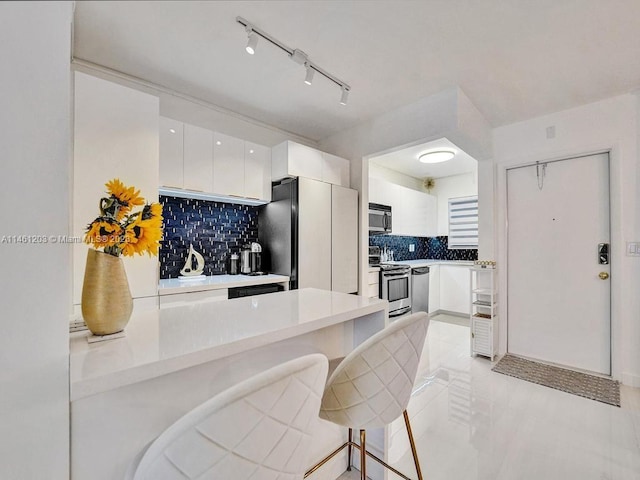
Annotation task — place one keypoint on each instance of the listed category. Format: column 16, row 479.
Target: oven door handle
column 403, row 274
column 401, row 311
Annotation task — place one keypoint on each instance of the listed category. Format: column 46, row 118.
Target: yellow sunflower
column 145, row 233
column 127, row 197
column 103, row 232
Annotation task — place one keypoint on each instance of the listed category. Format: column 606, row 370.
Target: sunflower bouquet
column 118, row 230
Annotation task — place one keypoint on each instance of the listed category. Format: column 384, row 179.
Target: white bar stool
column 372, row 386
column 258, row 429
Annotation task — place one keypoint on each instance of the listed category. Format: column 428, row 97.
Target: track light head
column 345, row 95
column 252, row 42
column 308, row 79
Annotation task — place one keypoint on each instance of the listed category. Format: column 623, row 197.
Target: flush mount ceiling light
column 437, row 156
column 295, row 54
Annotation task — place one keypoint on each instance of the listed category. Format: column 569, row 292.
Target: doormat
column 588, row 386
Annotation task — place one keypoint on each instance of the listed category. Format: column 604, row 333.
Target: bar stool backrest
column 259, row 428
column 372, row 386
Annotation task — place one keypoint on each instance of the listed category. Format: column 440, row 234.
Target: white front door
column 558, row 291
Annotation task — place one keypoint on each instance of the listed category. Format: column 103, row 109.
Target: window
column 463, row 222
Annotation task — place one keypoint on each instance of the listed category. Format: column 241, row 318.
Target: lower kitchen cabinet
column 454, row 288
column 434, row 288
column 373, row 283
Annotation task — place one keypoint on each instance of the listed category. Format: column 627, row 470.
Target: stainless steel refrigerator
column 278, row 231
column 305, row 236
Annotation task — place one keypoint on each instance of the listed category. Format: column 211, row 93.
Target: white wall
column 36, row 282
column 198, row 112
column 115, row 136
column 391, row 176
column 463, row 185
column 447, row 114
column 606, row 125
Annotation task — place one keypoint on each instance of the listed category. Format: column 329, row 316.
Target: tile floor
column 474, row 424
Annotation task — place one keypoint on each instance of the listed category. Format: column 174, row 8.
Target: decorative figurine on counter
column 189, row 270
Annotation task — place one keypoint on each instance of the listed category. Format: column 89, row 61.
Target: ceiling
column 406, row 161
column 515, row 59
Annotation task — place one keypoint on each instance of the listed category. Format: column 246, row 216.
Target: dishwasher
column 420, row 289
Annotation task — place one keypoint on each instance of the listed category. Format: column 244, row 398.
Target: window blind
column 463, row 222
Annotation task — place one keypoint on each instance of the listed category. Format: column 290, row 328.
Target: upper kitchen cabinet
column 171, row 150
column 198, row 158
column 291, row 159
column 115, row 136
column 335, row 170
column 228, row 165
column 414, row 213
column 220, row 166
column 257, row 171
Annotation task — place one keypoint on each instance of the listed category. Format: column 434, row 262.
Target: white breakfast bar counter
column 125, row 392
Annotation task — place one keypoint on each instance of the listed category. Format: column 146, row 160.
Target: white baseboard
column 448, row 312
column 630, row 380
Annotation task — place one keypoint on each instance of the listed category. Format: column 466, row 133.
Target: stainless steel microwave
column 379, row 218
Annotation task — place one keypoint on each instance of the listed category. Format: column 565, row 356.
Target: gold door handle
column 603, row 275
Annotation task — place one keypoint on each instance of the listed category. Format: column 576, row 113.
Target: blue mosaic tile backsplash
column 435, row 248
column 214, row 229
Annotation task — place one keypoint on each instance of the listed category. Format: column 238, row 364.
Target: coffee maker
column 245, row 260
column 256, row 258
column 251, row 259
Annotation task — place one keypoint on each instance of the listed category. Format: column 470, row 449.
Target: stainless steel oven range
column 395, row 287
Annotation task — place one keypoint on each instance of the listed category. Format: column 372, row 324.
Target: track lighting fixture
column 308, row 79
column 252, row 42
column 345, row 95
column 295, row 54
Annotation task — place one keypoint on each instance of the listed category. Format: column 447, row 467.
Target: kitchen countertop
column 173, row 285
column 161, row 341
column 427, row 262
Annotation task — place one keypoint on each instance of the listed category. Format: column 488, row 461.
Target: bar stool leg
column 413, row 444
column 350, row 447
column 363, row 455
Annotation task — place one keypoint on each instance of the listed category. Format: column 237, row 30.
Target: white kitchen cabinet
column 414, row 213
column 115, row 136
column 335, row 170
column 291, row 159
column 454, row 288
column 344, row 239
column 198, row 158
column 228, row 165
column 434, row 288
column 373, row 282
column 171, row 153
column 314, row 234
column 257, row 171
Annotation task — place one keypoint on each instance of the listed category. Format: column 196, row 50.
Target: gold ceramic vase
column 106, row 298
